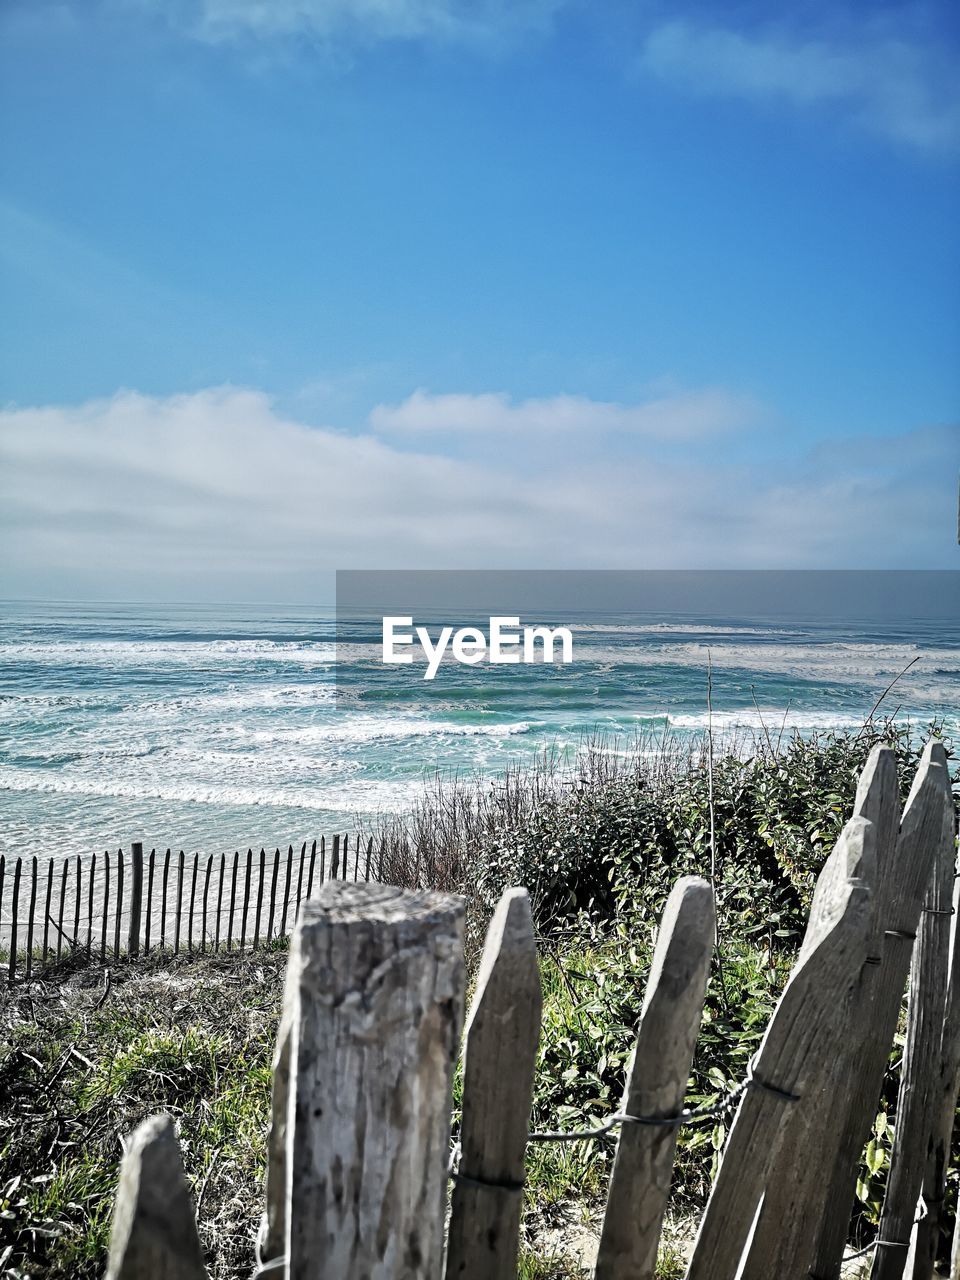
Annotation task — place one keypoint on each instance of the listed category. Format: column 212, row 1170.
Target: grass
column 83, row 1066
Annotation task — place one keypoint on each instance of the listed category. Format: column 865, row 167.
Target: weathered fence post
column 374, row 995
column 917, row 1109
column 793, row 1201
column 136, row 898
column 917, row 845
column 272, row 1240
column 154, row 1233
column 503, row 1028
column 946, row 1084
column 657, row 1083
column 799, row 1035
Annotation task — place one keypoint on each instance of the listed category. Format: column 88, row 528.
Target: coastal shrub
column 618, row 844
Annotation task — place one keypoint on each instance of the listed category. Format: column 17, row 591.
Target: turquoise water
column 220, row 728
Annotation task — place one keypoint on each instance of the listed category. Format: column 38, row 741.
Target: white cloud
column 900, row 89
column 214, row 495
column 687, row 415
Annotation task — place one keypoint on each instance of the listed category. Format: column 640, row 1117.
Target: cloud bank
column 687, row 415
column 214, row 495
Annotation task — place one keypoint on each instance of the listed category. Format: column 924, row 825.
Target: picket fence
column 359, row 1153
column 129, row 903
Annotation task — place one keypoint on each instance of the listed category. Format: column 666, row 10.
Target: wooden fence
column 134, row 902
column 359, row 1152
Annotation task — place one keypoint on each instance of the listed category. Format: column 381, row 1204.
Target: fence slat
column 163, row 903
column 14, row 905
column 136, row 898
column 46, row 910
column 106, row 902
column 323, row 859
column 77, row 904
column 179, row 912
column 193, row 900
column 945, row 1090
column 116, row 926
column 273, row 894
column 797, row 1036
column 64, row 872
column 303, row 855
column 366, row 870
column 503, row 1027
column 261, row 873
column 148, row 916
column 286, row 892
column 30, row 913
column 335, row 859
column 206, row 894
column 657, row 1083
column 223, row 869
column 313, row 861
column 917, row 1104
column 233, row 897
column 917, row 843
column 248, row 872
column 374, row 989
column 154, row 1232
column 793, row 1202
column 90, row 892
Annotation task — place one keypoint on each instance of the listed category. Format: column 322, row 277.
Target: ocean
column 220, row 728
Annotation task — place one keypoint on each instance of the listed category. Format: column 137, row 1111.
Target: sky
column 322, row 284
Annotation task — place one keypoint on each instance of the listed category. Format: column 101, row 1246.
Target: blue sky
column 619, row 285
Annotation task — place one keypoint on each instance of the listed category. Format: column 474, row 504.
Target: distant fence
column 359, row 1150
column 132, row 903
